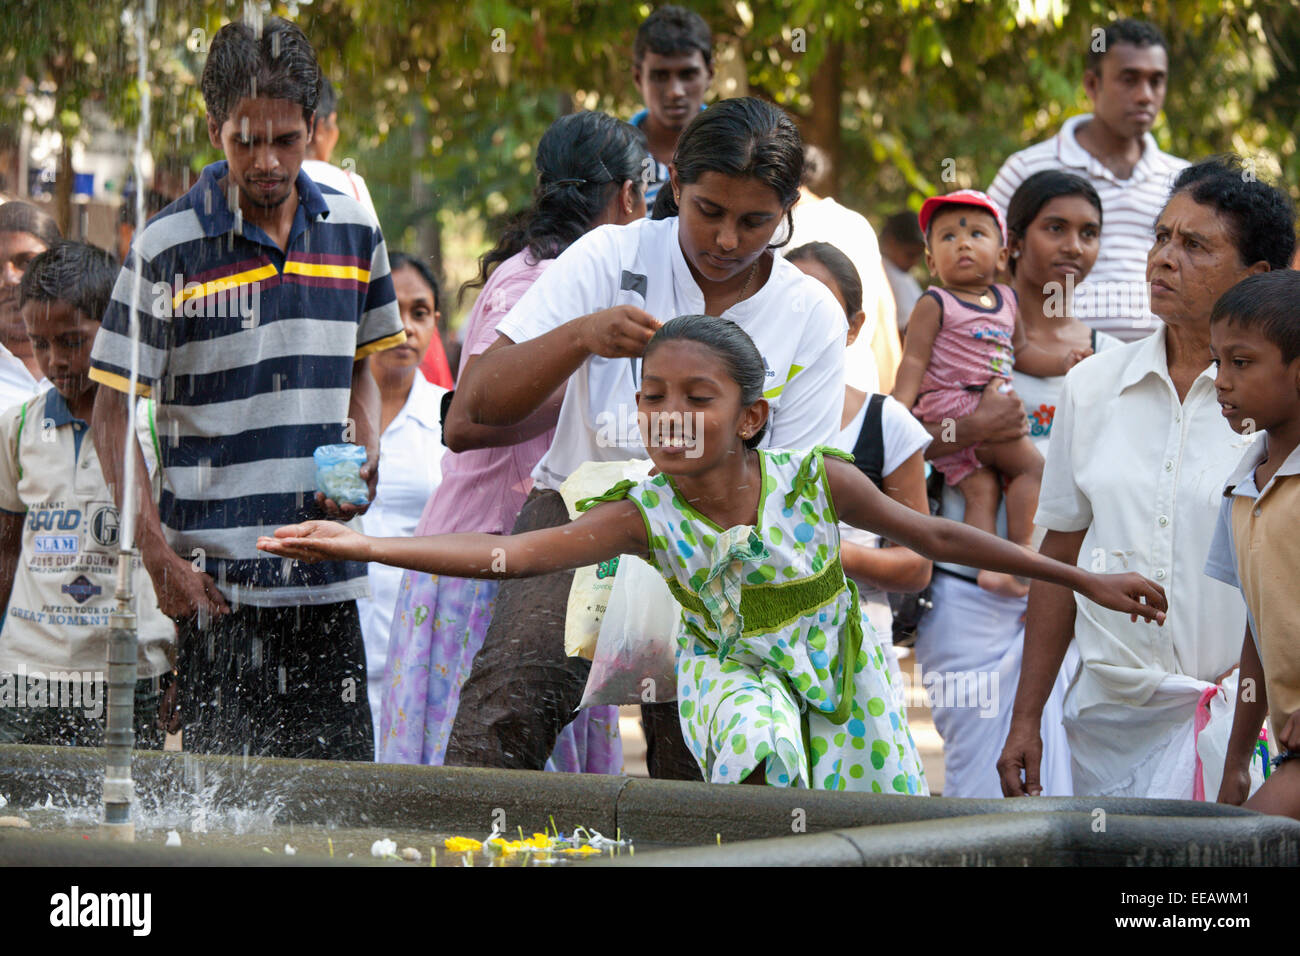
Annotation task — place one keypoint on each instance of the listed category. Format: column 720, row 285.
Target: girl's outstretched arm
column 863, row 505
column 606, row 530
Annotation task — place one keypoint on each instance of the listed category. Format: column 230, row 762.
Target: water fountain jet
column 123, row 642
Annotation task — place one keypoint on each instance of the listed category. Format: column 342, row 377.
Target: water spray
column 123, row 641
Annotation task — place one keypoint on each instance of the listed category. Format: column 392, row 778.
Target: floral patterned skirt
column 746, row 712
column 438, row 628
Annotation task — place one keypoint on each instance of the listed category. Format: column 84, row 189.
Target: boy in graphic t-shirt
column 59, row 528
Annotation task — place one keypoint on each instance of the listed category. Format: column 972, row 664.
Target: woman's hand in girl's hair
column 1125, row 593
column 314, row 541
column 620, row 332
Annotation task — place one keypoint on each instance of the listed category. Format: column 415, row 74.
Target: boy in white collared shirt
column 59, row 528
column 1255, row 341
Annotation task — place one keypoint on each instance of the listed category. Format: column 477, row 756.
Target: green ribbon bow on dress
column 720, row 591
column 805, row 480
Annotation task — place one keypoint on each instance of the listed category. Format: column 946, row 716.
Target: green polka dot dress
column 773, row 668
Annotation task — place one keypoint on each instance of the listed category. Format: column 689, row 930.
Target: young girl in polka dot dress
column 775, row 681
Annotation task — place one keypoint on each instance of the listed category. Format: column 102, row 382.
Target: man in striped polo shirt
column 1112, row 148
column 260, row 297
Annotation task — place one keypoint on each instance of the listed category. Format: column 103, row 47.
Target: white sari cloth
column 969, row 648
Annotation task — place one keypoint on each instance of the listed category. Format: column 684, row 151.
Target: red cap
column 962, row 197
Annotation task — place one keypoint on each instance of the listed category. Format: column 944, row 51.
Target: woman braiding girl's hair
column 775, row 683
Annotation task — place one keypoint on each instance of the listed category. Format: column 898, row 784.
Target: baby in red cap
column 962, row 335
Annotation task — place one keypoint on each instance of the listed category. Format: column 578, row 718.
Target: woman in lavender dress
column 589, row 173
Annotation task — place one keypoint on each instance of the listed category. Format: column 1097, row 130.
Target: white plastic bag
column 636, row 653
column 590, row 591
column 1212, row 741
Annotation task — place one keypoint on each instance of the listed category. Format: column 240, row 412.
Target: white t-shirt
column 344, row 180
column 410, row 468
column 64, row 584
column 903, row 437
column 793, row 319
column 16, row 382
column 825, row 220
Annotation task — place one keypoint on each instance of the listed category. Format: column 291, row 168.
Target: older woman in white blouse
column 1138, row 456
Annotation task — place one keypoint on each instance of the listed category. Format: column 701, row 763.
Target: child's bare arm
column 922, row 329
column 862, row 505
column 1041, row 363
column 607, row 530
column 1248, row 717
column 11, row 553
column 1038, row 361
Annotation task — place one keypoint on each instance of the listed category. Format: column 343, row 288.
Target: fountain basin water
column 815, row 826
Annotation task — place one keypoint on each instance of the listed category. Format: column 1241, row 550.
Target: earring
column 1016, row 254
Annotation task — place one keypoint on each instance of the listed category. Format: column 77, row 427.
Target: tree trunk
column 428, row 230
column 823, row 128
column 63, row 175
column 63, row 183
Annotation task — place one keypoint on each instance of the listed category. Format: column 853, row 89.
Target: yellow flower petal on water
column 461, row 845
column 584, row 850
column 506, row 847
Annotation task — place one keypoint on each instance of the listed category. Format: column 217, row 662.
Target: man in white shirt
column 872, row 359
column 325, row 137
column 1113, row 149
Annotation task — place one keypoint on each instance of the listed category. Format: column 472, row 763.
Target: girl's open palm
column 314, row 541
column 1125, row 593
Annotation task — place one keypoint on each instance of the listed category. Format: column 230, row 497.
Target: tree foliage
column 442, row 102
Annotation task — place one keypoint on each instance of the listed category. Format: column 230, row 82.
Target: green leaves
column 455, row 95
